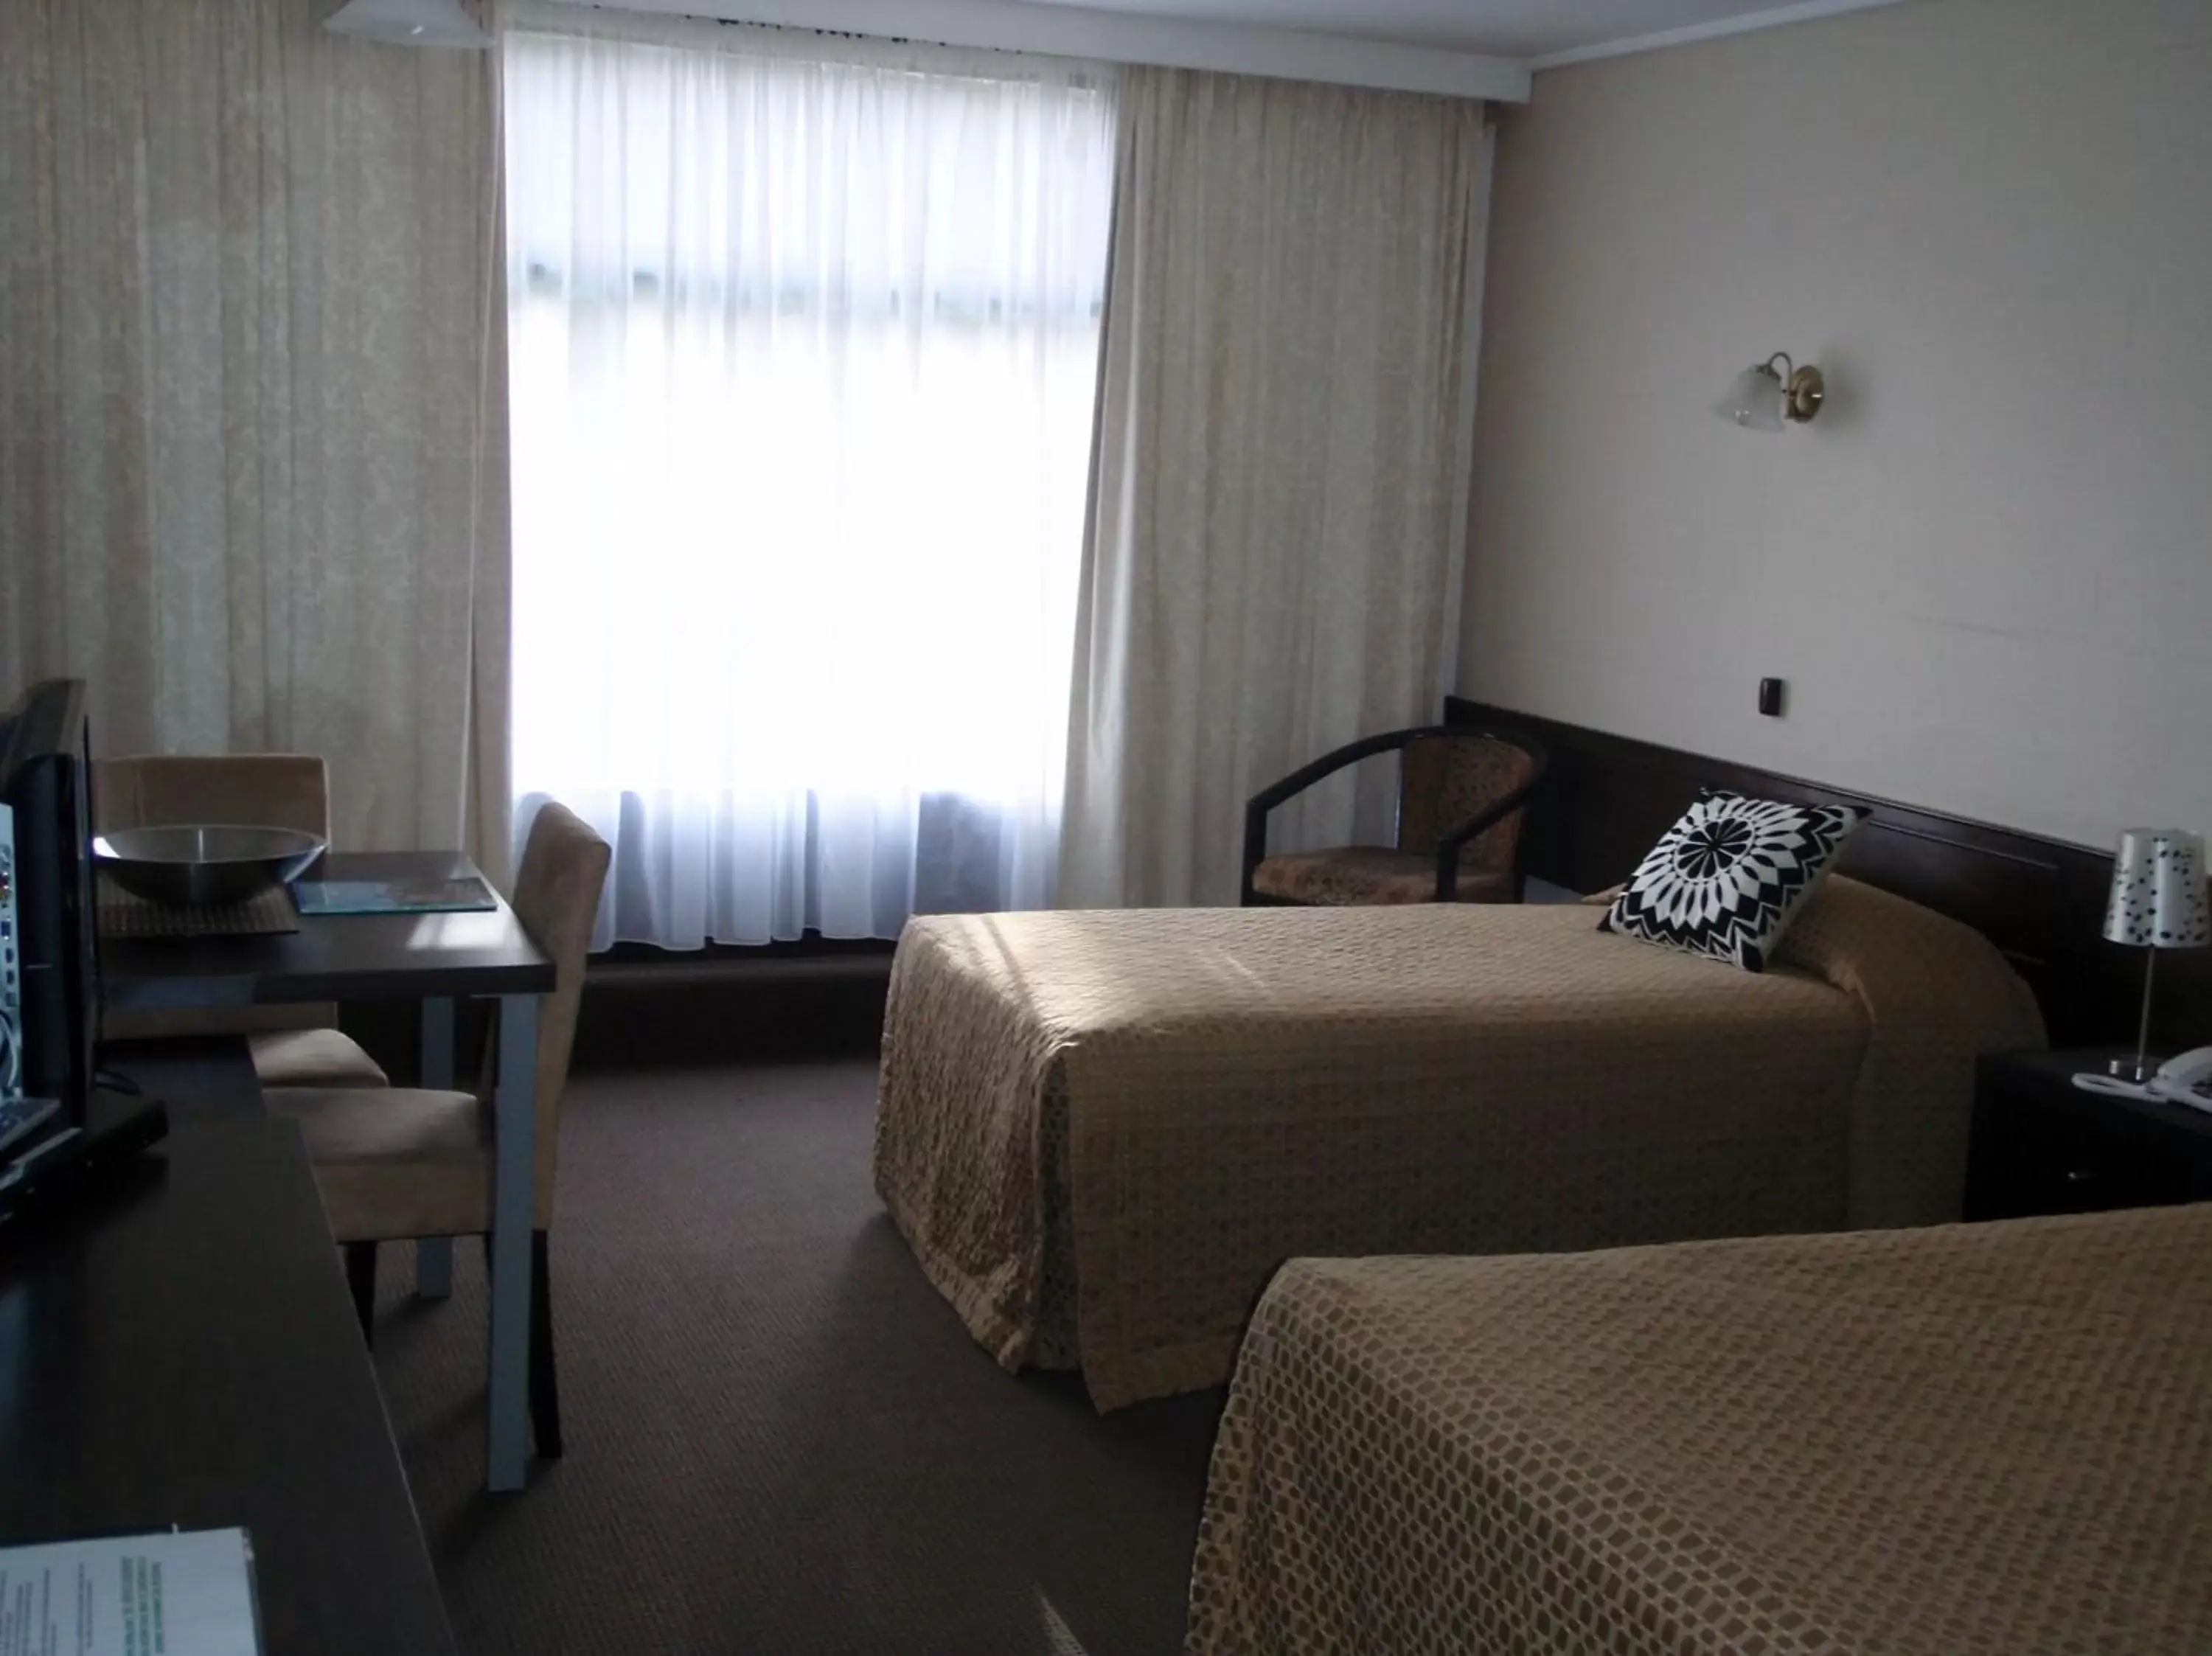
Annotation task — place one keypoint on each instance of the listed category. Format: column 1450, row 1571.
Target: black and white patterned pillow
column 1726, row 880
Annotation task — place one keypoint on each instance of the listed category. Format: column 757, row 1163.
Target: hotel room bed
column 1966, row 1439
column 1102, row 1132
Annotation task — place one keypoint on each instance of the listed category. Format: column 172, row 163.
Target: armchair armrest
column 1256, row 808
column 1449, row 847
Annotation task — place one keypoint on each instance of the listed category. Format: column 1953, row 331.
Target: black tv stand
column 60, row 1167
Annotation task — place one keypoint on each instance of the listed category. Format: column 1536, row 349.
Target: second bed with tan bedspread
column 1964, row 1440
column 1101, row 1132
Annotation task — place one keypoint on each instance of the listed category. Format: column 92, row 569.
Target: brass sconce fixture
column 1766, row 398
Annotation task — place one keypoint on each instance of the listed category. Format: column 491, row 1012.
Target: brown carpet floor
column 779, row 1438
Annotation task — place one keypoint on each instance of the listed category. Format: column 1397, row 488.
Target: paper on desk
column 138, row 1595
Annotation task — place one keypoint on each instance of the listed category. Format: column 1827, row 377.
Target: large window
column 803, row 339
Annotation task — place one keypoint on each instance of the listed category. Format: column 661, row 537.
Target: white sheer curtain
column 804, row 341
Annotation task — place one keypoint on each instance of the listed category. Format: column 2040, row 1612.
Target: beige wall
column 1986, row 570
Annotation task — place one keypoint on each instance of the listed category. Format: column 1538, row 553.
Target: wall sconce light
column 1765, row 398
column 408, row 22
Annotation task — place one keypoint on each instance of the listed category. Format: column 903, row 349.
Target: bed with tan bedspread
column 1967, row 1440
column 1102, row 1132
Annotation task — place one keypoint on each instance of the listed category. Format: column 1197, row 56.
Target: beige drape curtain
column 1274, row 556
column 252, row 463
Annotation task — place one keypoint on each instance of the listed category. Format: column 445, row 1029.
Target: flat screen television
column 45, row 777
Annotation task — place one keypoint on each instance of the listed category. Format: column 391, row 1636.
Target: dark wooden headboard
column 1608, row 798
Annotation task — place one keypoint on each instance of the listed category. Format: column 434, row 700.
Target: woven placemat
column 123, row 915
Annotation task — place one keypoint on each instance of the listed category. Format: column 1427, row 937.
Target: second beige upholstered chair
column 401, row 1164
column 292, row 1045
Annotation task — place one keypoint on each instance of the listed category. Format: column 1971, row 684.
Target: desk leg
column 514, row 1212
column 433, row 1255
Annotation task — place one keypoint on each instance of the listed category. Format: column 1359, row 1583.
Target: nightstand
column 2042, row 1145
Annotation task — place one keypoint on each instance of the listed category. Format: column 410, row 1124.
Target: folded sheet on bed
column 1969, row 1439
column 1102, row 1132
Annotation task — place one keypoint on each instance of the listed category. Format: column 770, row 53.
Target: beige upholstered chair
column 1462, row 794
column 397, row 1164
column 292, row 1045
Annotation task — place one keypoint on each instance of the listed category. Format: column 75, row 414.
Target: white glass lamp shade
column 2158, row 891
column 408, row 22
column 1754, row 400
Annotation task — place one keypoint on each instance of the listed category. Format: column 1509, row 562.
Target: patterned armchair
column 1460, row 799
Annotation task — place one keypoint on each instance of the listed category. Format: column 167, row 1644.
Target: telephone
column 2184, row 1080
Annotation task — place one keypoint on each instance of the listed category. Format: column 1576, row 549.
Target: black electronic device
column 45, row 778
column 59, row 1141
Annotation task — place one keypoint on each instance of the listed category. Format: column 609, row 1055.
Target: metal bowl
column 194, row 865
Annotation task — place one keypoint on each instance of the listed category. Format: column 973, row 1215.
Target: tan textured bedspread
column 1101, row 1132
column 1969, row 1441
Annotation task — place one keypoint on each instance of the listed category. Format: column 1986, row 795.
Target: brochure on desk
column 188, row 1593
column 467, row 895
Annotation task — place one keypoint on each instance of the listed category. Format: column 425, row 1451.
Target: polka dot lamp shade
column 2158, row 891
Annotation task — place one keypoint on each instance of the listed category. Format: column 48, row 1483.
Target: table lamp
column 2158, row 902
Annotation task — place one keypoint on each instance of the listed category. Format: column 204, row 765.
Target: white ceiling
column 1502, row 29
column 1457, row 48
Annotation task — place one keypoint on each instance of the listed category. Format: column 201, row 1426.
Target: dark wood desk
column 432, row 958
column 180, row 1349
column 337, row 957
